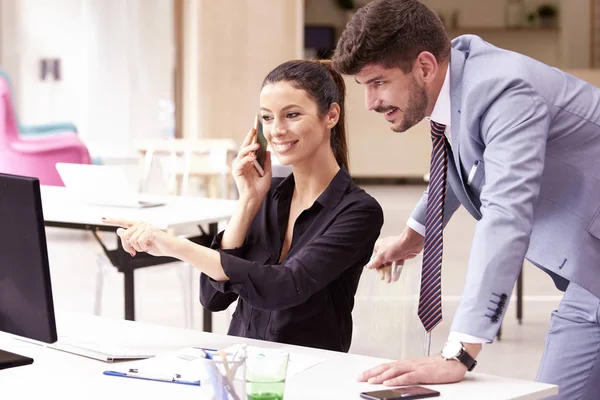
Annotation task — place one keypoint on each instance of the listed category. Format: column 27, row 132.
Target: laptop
column 99, row 351
column 9, row 360
column 106, row 185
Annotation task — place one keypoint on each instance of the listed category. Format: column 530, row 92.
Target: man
column 517, row 143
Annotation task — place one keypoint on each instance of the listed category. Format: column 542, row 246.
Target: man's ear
column 333, row 115
column 425, row 67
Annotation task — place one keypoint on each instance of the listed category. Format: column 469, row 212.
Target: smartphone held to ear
column 402, row 393
column 261, row 153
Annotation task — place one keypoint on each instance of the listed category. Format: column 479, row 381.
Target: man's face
column 395, row 94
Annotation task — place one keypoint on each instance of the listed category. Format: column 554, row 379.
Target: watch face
column 451, row 349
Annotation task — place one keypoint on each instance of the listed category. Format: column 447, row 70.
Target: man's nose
column 371, row 101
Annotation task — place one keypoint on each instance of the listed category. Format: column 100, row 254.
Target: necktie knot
column 437, row 130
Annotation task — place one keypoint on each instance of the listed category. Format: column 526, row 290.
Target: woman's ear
column 333, row 115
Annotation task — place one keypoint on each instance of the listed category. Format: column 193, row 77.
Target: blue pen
column 206, row 349
column 159, row 378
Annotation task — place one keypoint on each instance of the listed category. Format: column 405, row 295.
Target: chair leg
column 100, row 272
column 186, row 276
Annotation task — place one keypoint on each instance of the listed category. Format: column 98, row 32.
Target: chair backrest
column 4, row 76
column 9, row 130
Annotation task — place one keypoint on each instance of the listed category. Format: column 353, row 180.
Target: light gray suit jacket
column 529, row 135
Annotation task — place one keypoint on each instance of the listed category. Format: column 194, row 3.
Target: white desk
column 64, row 376
column 179, row 214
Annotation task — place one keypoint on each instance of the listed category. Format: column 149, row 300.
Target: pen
column 133, row 373
column 206, row 349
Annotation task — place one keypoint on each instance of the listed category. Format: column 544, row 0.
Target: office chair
column 39, row 129
column 34, row 156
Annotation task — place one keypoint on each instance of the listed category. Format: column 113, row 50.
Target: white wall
column 230, row 46
column 116, row 57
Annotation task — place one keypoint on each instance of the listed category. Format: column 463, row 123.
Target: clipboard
column 133, row 373
column 182, row 367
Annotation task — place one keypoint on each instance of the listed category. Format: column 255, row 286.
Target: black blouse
column 306, row 300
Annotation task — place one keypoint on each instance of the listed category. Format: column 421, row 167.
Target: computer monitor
column 26, row 304
column 320, row 38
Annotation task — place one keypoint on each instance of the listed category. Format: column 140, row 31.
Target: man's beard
column 416, row 109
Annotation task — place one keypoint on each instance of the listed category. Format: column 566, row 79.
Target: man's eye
column 378, row 83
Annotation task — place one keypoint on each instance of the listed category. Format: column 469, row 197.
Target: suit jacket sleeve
column 451, row 204
column 514, row 129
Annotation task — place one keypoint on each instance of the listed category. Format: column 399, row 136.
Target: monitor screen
column 319, row 37
column 26, row 305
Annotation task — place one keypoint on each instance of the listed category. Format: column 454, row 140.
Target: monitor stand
column 9, row 360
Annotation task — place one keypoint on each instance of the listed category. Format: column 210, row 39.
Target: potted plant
column 345, row 4
column 348, row 7
column 547, row 14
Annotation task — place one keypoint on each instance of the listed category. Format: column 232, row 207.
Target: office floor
column 385, row 315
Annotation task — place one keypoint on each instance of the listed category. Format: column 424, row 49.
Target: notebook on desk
column 106, row 185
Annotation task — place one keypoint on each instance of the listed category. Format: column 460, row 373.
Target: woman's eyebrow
column 284, row 108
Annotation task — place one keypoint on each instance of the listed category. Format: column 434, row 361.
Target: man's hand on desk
column 424, row 370
column 143, row 237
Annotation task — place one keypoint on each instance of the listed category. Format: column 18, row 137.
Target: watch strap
column 466, row 359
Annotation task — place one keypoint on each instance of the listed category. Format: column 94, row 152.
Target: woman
column 293, row 252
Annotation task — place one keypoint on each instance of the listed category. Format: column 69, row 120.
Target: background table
column 195, row 217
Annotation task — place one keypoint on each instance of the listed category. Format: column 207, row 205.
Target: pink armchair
column 34, row 155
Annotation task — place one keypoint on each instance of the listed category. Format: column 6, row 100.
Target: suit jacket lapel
column 455, row 175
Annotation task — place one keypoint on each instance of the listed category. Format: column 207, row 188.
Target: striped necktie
column 430, row 299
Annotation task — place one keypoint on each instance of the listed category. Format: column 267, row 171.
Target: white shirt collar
column 441, row 111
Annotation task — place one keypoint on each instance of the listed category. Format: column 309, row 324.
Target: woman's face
column 292, row 124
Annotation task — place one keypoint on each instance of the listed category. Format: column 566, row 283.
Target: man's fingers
column 374, row 262
column 397, row 370
column 410, row 378
column 396, row 270
column 368, row 374
column 123, row 223
column 387, row 273
column 392, row 371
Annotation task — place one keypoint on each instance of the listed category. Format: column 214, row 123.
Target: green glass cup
column 265, row 374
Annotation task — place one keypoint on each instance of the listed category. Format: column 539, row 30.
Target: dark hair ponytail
column 325, row 86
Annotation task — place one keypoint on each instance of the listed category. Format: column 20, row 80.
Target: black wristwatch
column 456, row 351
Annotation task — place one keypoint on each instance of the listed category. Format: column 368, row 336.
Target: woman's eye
column 293, row 115
column 266, row 118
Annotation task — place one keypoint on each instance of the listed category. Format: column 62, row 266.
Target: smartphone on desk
column 261, row 153
column 402, row 393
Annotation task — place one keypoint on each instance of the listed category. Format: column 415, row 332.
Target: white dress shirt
column 441, row 114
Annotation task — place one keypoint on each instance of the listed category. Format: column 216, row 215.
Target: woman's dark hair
column 325, row 86
column 390, row 33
